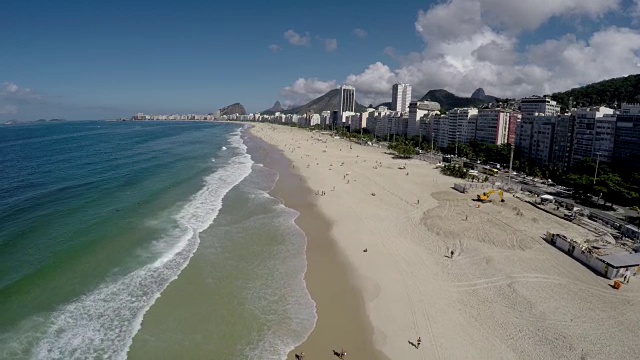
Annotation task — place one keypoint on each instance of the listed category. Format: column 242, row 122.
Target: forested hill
column 607, row 92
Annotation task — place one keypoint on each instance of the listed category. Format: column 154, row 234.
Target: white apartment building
column 314, row 120
column 492, row 126
column 400, row 97
column 594, row 134
column 539, row 105
column 630, row 109
column 347, row 99
column 391, row 123
column 462, row 125
column 359, row 121
column 373, row 118
column 420, row 113
column 325, row 118
column 605, row 137
column 440, row 131
column 535, row 137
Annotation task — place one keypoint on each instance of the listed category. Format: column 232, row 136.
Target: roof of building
column 622, row 259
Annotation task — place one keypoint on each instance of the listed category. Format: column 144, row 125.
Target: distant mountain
column 450, row 101
column 236, row 108
column 607, row 92
column 327, row 102
column 480, row 95
column 385, row 104
column 277, row 107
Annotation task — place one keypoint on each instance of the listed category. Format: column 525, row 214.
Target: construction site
column 603, row 248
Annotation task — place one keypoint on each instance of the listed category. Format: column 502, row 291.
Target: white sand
column 506, row 294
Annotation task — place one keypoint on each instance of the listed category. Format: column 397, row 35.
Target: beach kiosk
column 617, row 264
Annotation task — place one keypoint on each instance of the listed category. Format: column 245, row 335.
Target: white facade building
column 347, row 99
column 420, row 113
column 594, row 134
column 539, row 105
column 492, row 126
column 462, row 125
column 401, row 97
column 535, row 137
column 440, row 131
column 630, row 109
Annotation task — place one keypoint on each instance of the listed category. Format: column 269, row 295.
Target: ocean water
column 145, row 240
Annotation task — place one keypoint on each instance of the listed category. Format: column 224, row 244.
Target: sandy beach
column 505, row 293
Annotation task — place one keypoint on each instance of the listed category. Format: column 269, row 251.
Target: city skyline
column 90, row 61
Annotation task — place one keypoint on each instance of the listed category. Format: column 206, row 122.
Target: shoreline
column 342, row 321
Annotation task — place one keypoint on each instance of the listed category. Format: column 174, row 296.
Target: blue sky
column 90, row 59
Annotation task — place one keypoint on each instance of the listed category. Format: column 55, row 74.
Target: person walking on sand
column 627, row 276
column 418, row 342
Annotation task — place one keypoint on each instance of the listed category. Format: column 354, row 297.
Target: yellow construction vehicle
column 484, row 197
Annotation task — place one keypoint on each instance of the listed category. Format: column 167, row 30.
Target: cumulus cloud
column 10, row 87
column 12, row 97
column 274, row 48
column 296, row 39
column 359, row 33
column 331, row 45
column 374, row 83
column 475, row 43
column 305, row 90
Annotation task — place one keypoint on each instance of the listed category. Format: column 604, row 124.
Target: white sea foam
column 283, row 298
column 102, row 323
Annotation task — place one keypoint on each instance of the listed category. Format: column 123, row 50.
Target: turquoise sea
column 145, row 240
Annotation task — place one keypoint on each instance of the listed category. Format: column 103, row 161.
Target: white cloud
column 13, row 97
column 331, row 45
column 305, row 90
column 10, row 87
column 360, row 33
column 374, row 84
column 475, row 43
column 296, row 39
column 453, row 19
column 274, row 48
column 8, row 109
column 403, row 60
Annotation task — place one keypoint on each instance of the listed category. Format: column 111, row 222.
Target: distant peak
column 478, row 94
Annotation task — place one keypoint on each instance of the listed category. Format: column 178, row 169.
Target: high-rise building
column 594, row 134
column 626, row 148
column 492, row 126
column 419, row 114
column 514, row 120
column 391, row 123
column 563, row 141
column 440, row 131
column 462, row 125
column 535, row 137
column 401, row 97
column 539, row 105
column 347, row 99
